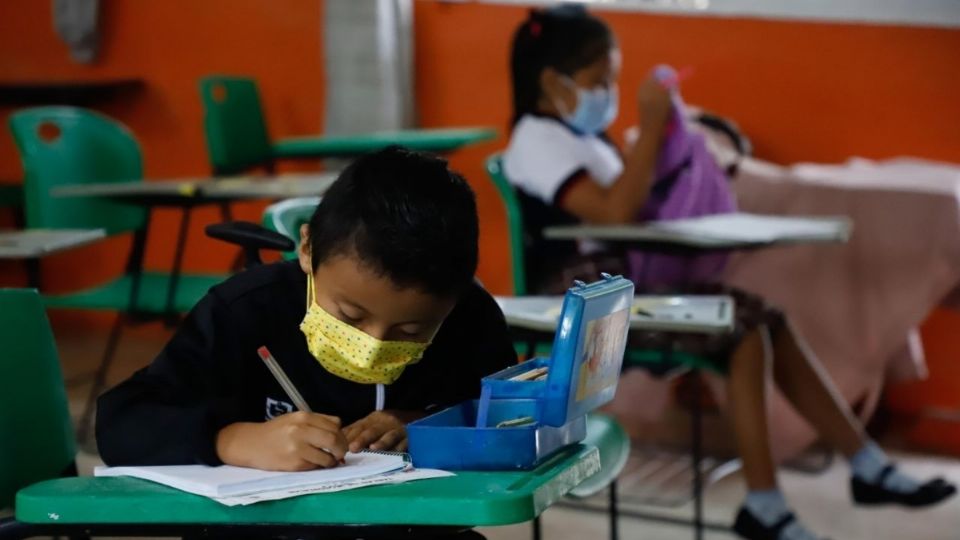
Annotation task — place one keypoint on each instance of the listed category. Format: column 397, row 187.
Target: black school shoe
column 749, row 527
column 870, row 493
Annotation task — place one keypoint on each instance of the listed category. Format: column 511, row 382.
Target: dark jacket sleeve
column 170, row 412
column 482, row 345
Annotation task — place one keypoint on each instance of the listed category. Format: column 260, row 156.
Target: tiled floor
column 820, row 500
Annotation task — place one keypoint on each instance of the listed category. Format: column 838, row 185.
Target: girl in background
column 565, row 65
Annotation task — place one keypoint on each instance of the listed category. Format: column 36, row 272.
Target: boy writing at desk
column 378, row 321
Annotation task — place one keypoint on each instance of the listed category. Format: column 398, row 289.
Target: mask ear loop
column 311, row 291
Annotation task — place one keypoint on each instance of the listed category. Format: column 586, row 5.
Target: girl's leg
column 809, row 388
column 807, row 385
column 746, row 390
column 765, row 511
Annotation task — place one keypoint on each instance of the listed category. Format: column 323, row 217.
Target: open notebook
column 229, row 481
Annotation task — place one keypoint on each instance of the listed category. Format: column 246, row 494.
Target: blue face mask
column 596, row 108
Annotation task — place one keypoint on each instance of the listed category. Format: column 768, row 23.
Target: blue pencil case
column 529, row 411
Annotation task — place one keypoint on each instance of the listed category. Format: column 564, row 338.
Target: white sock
column 769, row 506
column 869, row 462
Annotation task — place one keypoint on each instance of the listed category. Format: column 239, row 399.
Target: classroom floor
column 822, row 500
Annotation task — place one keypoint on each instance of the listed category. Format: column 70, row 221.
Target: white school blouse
column 546, row 156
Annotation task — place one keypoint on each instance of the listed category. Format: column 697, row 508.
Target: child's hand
column 297, row 441
column 380, row 430
column 655, row 103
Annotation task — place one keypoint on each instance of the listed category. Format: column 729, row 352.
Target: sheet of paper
column 226, row 480
column 398, row 477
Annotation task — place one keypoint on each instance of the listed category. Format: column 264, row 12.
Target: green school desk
column 346, row 146
column 127, row 506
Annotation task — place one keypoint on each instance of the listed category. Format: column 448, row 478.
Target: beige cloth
column 857, row 305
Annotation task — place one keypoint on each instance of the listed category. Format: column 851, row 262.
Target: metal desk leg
column 537, row 534
column 697, row 455
column 614, row 512
column 100, row 379
column 33, row 272
column 170, row 309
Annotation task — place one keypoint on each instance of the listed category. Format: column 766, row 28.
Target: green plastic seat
column 658, row 361
column 514, row 222
column 286, row 217
column 66, row 145
column 151, row 296
column 238, row 138
column 234, row 125
column 37, row 438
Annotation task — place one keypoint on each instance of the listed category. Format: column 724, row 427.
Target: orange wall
column 803, row 91
column 170, row 44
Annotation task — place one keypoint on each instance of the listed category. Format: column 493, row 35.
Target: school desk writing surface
column 344, row 146
column 708, row 314
column 193, row 191
column 31, row 243
column 715, row 232
column 470, row 498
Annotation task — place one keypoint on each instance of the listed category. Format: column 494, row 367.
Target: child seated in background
column 565, row 64
column 378, row 322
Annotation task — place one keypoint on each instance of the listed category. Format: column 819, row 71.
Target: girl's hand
column 655, row 104
column 297, row 441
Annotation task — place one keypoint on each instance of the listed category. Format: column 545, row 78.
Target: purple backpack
column 688, row 183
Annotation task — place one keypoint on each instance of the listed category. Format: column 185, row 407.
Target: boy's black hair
column 406, row 215
column 566, row 38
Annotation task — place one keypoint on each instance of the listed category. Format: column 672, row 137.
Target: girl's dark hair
column 406, row 215
column 566, row 38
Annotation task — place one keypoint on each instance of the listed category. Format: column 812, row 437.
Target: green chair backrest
column 36, row 437
column 514, row 222
column 236, row 132
column 286, row 217
column 66, row 145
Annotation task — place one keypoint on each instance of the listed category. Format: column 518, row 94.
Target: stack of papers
column 234, row 486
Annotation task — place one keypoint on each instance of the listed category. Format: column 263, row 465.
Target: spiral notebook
column 230, row 481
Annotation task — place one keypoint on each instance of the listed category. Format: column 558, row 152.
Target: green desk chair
column 280, row 230
column 659, row 363
column 286, row 217
column 35, row 425
column 238, row 138
column 65, row 145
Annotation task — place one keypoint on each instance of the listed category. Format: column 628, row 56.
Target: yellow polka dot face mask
column 351, row 353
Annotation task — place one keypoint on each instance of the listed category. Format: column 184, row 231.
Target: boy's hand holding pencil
column 297, row 441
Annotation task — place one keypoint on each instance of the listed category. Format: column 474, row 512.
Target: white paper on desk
column 684, row 313
column 743, row 227
column 229, row 481
column 397, row 477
